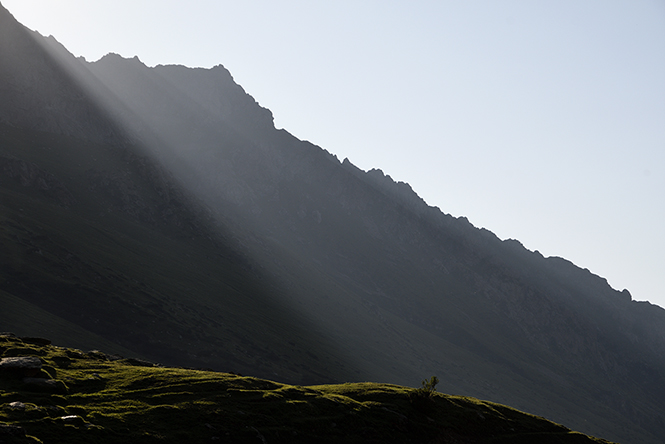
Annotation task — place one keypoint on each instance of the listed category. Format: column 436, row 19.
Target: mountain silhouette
column 158, row 213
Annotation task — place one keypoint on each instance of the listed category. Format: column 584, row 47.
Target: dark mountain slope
column 129, row 260
column 357, row 277
column 101, row 245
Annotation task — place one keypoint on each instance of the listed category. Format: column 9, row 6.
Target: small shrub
column 423, row 398
column 428, row 387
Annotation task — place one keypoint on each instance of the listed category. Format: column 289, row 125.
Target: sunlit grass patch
column 111, row 401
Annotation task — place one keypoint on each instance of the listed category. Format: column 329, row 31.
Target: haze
column 543, row 122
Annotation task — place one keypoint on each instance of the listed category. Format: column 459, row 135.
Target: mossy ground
column 109, row 399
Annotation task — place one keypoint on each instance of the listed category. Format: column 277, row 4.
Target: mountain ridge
column 390, row 287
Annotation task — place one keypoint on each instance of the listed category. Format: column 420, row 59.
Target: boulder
column 23, row 366
column 45, row 385
column 73, row 419
column 17, row 405
column 36, row 341
column 11, row 430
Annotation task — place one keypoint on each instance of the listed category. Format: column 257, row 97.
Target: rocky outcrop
column 22, row 367
column 45, row 385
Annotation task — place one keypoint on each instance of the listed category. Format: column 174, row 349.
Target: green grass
column 110, row 399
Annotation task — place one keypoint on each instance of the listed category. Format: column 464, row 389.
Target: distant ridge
column 195, row 233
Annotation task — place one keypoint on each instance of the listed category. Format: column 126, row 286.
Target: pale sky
column 542, row 121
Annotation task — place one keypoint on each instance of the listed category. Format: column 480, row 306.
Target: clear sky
column 542, row 121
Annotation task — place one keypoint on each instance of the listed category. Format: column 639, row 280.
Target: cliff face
column 392, row 289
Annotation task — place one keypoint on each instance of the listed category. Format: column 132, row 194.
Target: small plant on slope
column 428, row 387
column 422, row 398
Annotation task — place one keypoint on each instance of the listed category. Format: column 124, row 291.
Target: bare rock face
column 24, row 366
column 31, row 176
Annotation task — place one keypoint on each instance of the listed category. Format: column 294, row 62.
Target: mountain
column 158, row 213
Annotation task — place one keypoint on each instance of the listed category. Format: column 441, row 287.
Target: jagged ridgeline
column 157, row 213
column 63, row 395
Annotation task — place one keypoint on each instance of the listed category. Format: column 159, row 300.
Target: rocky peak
column 42, row 86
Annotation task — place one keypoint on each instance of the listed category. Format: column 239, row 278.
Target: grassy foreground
column 99, row 398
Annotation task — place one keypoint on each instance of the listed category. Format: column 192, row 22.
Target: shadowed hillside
column 72, row 396
column 157, row 212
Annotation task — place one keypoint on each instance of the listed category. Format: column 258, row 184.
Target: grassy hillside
column 106, row 398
